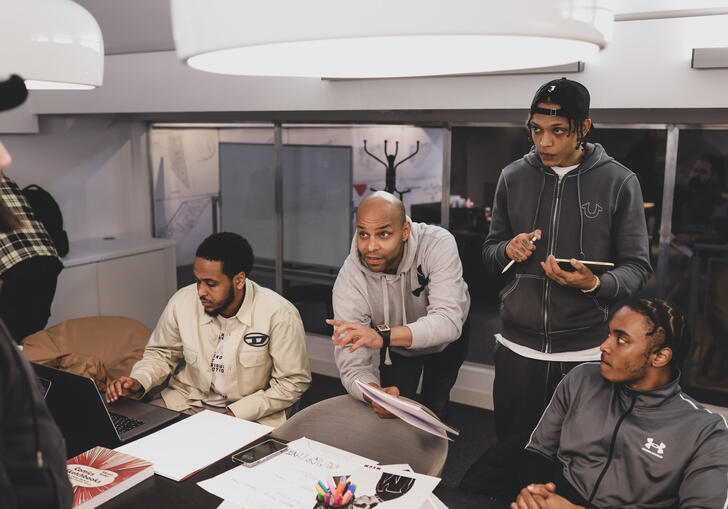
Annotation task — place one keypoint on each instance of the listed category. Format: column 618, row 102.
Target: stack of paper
column 186, row 447
column 409, row 411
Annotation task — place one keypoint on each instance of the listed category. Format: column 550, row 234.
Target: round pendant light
column 52, row 44
column 385, row 39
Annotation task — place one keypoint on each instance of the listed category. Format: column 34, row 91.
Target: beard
column 225, row 303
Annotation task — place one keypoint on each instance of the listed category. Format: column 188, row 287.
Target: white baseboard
column 473, row 387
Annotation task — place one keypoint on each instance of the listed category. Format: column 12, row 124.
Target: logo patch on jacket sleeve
column 422, row 280
column 256, row 339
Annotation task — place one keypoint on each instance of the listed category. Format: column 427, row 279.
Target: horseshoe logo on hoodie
column 589, row 212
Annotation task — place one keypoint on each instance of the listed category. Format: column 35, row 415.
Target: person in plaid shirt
column 29, row 263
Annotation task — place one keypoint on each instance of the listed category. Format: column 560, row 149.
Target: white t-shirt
column 218, row 388
column 593, row 354
column 563, row 170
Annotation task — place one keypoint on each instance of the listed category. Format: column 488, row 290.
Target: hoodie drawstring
column 581, row 216
column 385, row 298
column 538, row 203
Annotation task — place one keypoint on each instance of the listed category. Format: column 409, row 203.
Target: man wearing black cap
column 565, row 199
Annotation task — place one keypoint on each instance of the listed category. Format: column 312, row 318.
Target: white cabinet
column 130, row 277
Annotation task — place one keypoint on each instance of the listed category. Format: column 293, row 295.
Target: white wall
column 95, row 167
column 647, row 66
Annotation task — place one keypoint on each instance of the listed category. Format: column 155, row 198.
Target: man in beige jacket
column 244, row 345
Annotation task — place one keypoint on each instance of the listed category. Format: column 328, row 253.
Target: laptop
column 86, row 420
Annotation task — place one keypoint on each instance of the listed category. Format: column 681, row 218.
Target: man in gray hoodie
column 565, row 199
column 401, row 287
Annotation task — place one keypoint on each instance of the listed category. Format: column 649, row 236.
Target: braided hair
column 576, row 125
column 668, row 327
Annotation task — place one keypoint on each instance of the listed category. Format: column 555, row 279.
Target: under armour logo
column 650, row 444
column 422, row 280
column 591, row 212
column 552, row 88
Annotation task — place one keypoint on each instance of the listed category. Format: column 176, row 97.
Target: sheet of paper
column 410, row 412
column 285, row 481
column 391, row 488
column 188, row 446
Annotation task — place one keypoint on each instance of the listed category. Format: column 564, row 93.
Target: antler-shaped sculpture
column 391, row 176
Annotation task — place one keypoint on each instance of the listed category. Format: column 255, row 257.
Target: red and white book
column 99, row 474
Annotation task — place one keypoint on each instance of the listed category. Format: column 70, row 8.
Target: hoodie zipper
column 611, row 450
column 552, row 244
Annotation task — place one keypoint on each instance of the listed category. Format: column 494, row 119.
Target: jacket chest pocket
column 254, row 367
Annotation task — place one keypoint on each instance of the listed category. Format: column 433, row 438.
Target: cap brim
column 12, row 92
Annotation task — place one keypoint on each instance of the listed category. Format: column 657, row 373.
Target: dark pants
column 27, row 293
column 439, row 372
column 521, row 391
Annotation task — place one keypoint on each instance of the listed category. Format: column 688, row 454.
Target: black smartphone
column 595, row 267
column 259, row 453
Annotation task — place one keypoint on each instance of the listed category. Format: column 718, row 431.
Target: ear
column 406, row 230
column 662, row 357
column 586, row 125
column 239, row 281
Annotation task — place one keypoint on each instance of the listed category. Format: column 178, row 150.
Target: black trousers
column 521, row 391
column 439, row 372
column 27, row 293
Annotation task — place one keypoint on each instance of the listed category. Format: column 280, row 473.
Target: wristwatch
column 384, row 331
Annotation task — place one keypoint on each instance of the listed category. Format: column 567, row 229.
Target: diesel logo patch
column 256, row 339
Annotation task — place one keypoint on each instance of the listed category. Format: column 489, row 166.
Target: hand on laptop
column 380, row 411
column 122, row 386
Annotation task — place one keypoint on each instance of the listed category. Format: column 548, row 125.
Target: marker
column 327, row 499
column 339, row 488
column 337, row 500
column 320, row 497
column 332, row 487
column 352, row 488
column 505, row 269
column 319, row 490
column 323, row 486
column 346, row 498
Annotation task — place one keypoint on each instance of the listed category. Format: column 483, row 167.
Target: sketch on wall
column 186, row 171
column 185, row 177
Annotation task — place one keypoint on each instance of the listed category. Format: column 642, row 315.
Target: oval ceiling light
column 52, row 44
column 384, row 38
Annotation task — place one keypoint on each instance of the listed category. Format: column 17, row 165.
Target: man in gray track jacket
column 405, row 280
column 565, row 199
column 620, row 433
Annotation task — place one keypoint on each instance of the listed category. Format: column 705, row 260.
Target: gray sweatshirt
column 634, row 449
column 427, row 294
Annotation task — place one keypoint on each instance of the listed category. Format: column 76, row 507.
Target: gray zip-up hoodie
column 634, row 449
column 594, row 213
column 427, row 294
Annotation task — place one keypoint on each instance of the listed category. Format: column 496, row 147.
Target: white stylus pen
column 534, row 239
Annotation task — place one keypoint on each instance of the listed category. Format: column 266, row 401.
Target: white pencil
column 534, row 239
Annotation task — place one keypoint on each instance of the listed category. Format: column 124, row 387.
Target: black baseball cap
column 572, row 96
column 12, row 92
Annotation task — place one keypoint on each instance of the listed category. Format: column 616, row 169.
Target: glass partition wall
column 293, row 189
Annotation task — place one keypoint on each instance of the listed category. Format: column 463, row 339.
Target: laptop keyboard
column 122, row 423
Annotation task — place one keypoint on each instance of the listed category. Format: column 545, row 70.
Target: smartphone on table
column 260, row 452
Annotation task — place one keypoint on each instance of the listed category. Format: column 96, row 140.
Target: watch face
column 383, row 328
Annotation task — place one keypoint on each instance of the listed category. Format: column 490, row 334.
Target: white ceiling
column 132, row 26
